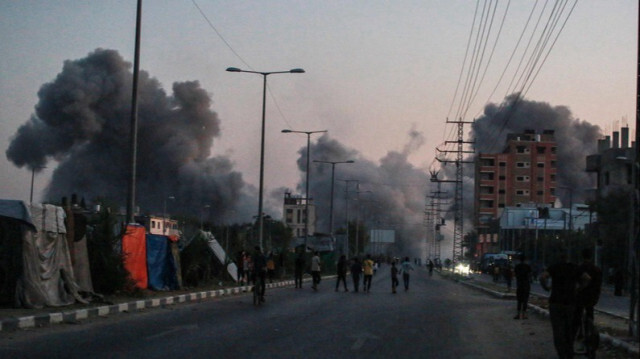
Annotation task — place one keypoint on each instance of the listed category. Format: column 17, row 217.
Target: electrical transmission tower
column 458, row 230
column 433, row 220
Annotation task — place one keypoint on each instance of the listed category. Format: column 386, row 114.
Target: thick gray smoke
column 397, row 190
column 82, row 121
column 575, row 140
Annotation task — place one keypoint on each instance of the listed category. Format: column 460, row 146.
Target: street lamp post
column 333, row 172
column 33, row 175
column 264, row 98
column 358, row 216
column 306, row 194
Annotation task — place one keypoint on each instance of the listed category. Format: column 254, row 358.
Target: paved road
column 436, row 318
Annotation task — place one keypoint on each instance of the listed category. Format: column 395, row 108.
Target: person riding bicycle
column 259, row 272
column 588, row 293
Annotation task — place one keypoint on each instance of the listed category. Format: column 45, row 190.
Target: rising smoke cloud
column 575, row 140
column 392, row 190
column 82, row 121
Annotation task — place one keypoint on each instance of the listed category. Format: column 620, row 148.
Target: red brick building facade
column 524, row 173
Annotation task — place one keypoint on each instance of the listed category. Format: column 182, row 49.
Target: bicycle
column 587, row 337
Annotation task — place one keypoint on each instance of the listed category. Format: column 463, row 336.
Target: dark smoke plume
column 575, row 140
column 82, row 121
column 397, row 190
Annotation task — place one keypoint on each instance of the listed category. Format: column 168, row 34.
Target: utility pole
column 458, row 230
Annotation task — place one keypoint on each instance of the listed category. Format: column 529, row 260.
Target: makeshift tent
column 47, row 278
column 15, row 226
column 135, row 254
column 161, row 266
column 76, row 223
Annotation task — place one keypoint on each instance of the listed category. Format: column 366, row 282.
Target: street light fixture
column 333, row 171
column 306, row 202
column 264, row 104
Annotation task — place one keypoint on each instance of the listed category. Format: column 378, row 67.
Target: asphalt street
column 436, row 318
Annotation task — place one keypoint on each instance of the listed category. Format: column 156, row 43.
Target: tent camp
column 36, row 263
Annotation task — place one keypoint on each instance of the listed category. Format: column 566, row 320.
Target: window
column 553, row 149
column 487, row 162
column 606, row 178
column 486, row 204
column 521, row 149
column 540, row 179
column 553, row 164
column 553, row 178
column 552, row 191
column 487, row 176
column 522, row 178
column 153, row 224
column 522, row 164
column 540, row 149
column 522, row 192
column 500, row 205
column 502, row 164
column 502, row 178
column 501, row 191
column 486, row 190
column 540, row 164
column 540, row 193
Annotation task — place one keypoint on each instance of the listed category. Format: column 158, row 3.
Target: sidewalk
column 13, row 319
column 612, row 313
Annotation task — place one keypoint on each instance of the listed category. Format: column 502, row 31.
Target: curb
column 544, row 312
column 74, row 316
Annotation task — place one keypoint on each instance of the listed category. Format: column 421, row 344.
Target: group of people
column 246, row 267
column 575, row 290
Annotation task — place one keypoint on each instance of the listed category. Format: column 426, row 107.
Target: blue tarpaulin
column 160, row 263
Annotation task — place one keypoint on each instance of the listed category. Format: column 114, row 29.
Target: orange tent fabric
column 134, row 249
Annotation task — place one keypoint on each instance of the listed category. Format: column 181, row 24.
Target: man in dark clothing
column 562, row 303
column 356, row 270
column 299, row 269
column 259, row 271
column 590, row 284
column 523, row 287
column 342, row 272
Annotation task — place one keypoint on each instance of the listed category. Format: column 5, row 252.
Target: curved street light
column 333, row 171
column 264, row 103
column 306, row 202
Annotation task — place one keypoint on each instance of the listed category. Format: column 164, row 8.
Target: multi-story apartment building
column 523, row 173
column 295, row 214
column 613, row 162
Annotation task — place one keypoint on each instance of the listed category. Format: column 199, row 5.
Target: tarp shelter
column 15, row 226
column 47, row 278
column 134, row 250
column 161, row 265
column 76, row 223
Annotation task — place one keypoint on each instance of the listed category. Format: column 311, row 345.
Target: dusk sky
column 376, row 71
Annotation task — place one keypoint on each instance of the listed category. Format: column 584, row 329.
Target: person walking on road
column 430, row 266
column 406, row 266
column 394, row 277
column 315, row 270
column 356, row 271
column 299, row 268
column 259, row 272
column 523, row 287
column 562, row 303
column 367, row 268
column 342, row 272
column 590, row 286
